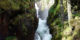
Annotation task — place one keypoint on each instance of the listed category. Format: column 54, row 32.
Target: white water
column 42, row 32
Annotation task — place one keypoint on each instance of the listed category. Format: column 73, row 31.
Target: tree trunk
column 69, row 12
column 68, row 31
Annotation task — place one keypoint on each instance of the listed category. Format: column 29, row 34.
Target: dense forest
column 18, row 20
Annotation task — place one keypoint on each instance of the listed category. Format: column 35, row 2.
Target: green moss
column 13, row 4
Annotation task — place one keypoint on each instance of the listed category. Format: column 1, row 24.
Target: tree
column 69, row 12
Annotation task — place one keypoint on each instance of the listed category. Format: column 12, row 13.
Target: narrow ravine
column 43, row 32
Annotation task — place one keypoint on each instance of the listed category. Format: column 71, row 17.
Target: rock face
column 27, row 27
column 3, row 26
column 17, row 18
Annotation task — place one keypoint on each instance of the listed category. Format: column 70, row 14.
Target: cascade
column 42, row 7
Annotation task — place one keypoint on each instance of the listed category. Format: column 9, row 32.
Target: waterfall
column 42, row 32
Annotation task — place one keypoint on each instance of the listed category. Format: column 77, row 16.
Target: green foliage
column 54, row 21
column 14, row 4
column 11, row 38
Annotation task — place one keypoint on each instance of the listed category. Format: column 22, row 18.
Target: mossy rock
column 13, row 4
column 9, row 4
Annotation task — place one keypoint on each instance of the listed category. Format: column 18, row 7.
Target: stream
column 42, row 32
